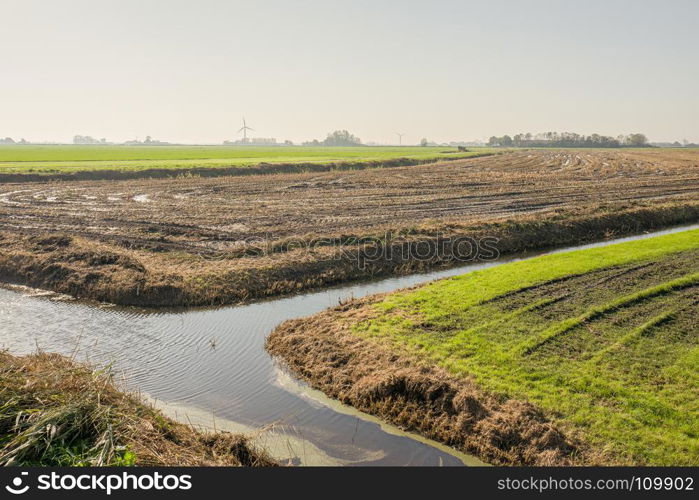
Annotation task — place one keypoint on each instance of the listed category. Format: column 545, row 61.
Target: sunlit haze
column 446, row 70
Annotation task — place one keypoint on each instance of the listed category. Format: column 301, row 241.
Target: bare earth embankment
column 205, row 241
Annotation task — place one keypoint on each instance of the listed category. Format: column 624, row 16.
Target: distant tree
column 84, row 139
column 7, row 140
column 341, row 138
column 288, row 143
column 506, row 140
column 424, row 142
column 636, row 140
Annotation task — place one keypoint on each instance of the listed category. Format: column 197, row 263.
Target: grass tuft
column 57, row 412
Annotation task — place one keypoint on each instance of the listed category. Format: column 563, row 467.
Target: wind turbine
column 400, row 138
column 245, row 129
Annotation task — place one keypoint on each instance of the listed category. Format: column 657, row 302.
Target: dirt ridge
column 107, row 273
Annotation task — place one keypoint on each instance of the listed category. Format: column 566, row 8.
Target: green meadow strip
column 457, row 293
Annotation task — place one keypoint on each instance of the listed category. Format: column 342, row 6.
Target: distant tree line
column 10, row 140
column 676, row 144
column 148, row 141
column 569, row 140
column 336, row 138
column 86, row 139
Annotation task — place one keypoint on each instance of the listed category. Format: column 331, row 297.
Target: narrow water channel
column 209, row 367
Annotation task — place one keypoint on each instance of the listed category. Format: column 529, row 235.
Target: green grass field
column 604, row 340
column 57, row 159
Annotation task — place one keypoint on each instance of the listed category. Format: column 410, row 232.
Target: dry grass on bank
column 55, row 411
column 416, row 395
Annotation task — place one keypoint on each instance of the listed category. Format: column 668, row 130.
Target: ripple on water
column 213, row 362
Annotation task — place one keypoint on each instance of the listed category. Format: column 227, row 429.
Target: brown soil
column 83, row 406
column 416, row 395
column 205, row 241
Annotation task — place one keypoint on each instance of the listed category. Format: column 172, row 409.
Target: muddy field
column 198, row 240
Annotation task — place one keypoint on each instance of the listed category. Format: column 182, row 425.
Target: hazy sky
column 188, row 71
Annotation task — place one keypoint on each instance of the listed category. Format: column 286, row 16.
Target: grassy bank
column 601, row 342
column 123, row 275
column 129, row 162
column 55, row 411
